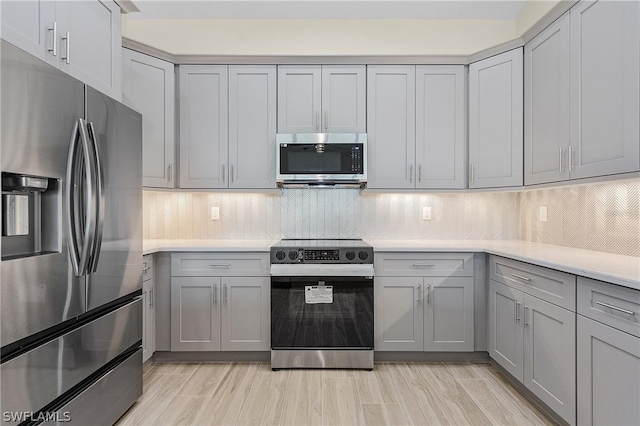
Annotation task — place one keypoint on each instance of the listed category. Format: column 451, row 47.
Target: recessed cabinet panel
column 25, row 24
column 449, row 314
column 344, row 99
column 195, row 317
column 246, row 314
column 391, row 126
column 203, row 126
column 398, row 314
column 605, row 91
column 505, row 328
column 299, row 99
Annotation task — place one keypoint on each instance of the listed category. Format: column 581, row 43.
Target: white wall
column 532, row 12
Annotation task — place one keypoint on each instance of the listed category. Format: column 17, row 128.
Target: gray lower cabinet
column 424, row 302
column 608, row 366
column 534, row 341
column 148, row 309
column 220, row 314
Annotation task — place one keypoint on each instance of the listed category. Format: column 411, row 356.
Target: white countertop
column 613, row 268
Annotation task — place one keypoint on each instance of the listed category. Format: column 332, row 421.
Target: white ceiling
column 327, row 9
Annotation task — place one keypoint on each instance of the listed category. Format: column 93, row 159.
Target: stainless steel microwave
column 321, row 158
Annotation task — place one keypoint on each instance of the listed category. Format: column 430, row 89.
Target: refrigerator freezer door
column 40, row 105
column 116, row 131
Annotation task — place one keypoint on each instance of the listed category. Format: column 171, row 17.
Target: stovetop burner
column 321, row 251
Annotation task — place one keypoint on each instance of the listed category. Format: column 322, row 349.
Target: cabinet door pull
column 67, row 38
column 54, row 30
column 231, row 172
column 150, row 293
column 570, row 159
column 420, row 173
column 411, row 173
column 214, row 295
column 220, row 265
column 317, row 120
column 615, row 308
column 470, row 173
column 423, row 265
column 326, row 119
column 223, row 173
column 560, row 159
column 428, row 294
column 169, row 177
column 224, row 290
column 526, row 308
column 418, row 291
column 517, row 305
column 521, row 277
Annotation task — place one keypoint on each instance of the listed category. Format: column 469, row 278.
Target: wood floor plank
column 469, row 371
column 181, row 410
column 383, row 414
column 375, row 387
column 456, row 404
column 150, row 405
column 304, row 402
column 223, row 407
column 273, row 413
column 205, row 379
column 418, row 403
column 176, row 368
column 340, row 403
column 256, row 402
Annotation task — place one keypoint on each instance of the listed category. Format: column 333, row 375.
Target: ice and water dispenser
column 31, row 210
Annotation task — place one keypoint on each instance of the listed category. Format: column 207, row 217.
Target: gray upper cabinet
column 440, row 127
column 245, row 316
column 605, row 88
column 148, row 86
column 546, row 104
column 203, row 126
column 391, row 118
column 495, row 121
column 252, row 126
column 315, row 98
column 83, row 39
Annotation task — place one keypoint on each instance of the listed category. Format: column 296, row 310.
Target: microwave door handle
column 71, row 201
column 90, row 199
column 99, row 213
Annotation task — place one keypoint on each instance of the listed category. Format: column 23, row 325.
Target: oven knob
column 280, row 255
column 363, row 255
column 293, row 255
column 350, row 255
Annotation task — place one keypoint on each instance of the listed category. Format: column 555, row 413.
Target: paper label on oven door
column 318, row 294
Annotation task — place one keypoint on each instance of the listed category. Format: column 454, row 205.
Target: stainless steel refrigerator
column 71, row 270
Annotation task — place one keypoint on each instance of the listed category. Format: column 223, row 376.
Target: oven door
column 321, row 312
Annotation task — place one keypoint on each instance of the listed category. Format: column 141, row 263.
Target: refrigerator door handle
column 90, row 201
column 71, row 201
column 99, row 214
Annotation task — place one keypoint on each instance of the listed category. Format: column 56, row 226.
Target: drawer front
column 616, row 306
column 553, row 286
column 219, row 264
column 423, row 264
column 147, row 267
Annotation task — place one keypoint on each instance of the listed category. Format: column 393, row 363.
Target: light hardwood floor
column 392, row 394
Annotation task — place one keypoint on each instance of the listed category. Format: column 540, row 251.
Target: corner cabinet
column 495, row 121
column 321, row 99
column 220, row 302
column 148, row 86
column 532, row 330
column 227, row 126
column 83, row 39
column 424, row 302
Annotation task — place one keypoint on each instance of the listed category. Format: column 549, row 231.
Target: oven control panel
column 348, row 255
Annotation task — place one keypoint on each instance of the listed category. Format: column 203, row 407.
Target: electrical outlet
column 542, row 214
column 215, row 213
column 426, row 213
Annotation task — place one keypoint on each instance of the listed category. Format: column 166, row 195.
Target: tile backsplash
column 603, row 217
column 329, row 213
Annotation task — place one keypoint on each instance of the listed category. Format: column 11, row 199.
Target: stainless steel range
column 321, row 304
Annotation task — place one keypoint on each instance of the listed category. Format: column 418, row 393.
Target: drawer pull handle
column 145, row 270
column 423, row 265
column 220, row 265
column 521, row 277
column 615, row 308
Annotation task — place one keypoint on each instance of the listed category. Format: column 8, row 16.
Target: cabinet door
column 252, row 126
column 344, row 99
column 299, row 98
column 246, row 314
column 448, row 318
column 550, row 355
column 195, row 314
column 495, row 121
column 91, row 43
column 204, row 137
column 391, row 118
column 148, row 86
column 398, row 314
column 605, row 88
column 546, row 104
column 505, row 328
column 608, row 366
column 29, row 26
column 148, row 320
column 440, row 126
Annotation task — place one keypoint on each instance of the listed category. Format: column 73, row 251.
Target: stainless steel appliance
column 321, row 304
column 321, row 159
column 71, row 269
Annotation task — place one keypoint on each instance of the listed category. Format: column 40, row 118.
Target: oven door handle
column 322, row 270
